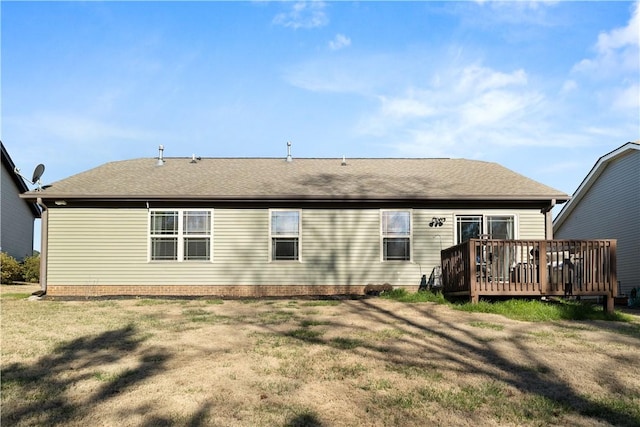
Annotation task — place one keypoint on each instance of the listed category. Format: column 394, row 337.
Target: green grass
column 487, row 325
column 15, row 296
column 517, row 309
column 402, row 295
column 305, row 323
column 305, row 334
column 342, row 372
column 321, row 303
column 621, row 410
column 410, row 371
column 276, row 317
column 347, row 343
column 539, row 311
column 152, row 301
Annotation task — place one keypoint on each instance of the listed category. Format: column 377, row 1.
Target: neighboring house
column 16, row 215
column 268, row 226
column 606, row 205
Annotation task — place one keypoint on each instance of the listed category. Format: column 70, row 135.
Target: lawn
column 373, row 362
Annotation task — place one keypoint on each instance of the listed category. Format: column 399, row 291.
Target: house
column 16, row 215
column 607, row 205
column 274, row 227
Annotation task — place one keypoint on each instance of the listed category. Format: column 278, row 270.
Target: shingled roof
column 301, row 179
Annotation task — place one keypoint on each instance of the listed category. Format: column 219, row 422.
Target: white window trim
column 382, row 236
column 298, row 236
column 180, row 236
column 484, row 215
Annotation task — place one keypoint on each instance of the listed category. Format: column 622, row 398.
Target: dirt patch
column 303, row 362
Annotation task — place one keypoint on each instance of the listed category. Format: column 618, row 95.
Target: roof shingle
column 303, row 178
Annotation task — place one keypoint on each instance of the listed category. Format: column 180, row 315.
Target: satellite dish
column 37, row 173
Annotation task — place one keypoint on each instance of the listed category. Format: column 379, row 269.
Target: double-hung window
column 285, row 235
column 396, row 235
column 180, row 235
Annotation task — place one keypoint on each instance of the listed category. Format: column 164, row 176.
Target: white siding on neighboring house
column 101, row 246
column 16, row 219
column 610, row 209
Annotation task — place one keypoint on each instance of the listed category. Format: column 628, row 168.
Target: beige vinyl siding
column 531, row 224
column 97, row 246
column 337, row 247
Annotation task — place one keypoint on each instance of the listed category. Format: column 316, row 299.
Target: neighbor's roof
column 301, row 179
column 592, row 177
column 7, row 163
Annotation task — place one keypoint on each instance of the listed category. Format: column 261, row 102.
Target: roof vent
column 160, row 155
column 289, row 158
column 344, row 161
column 195, row 159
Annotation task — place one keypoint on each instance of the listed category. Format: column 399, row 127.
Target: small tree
column 31, row 269
column 11, row 270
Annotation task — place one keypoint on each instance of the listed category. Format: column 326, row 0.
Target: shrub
column 11, row 270
column 31, row 269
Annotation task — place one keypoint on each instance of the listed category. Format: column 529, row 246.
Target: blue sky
column 543, row 88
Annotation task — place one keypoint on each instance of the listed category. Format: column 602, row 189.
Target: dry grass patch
column 294, row 362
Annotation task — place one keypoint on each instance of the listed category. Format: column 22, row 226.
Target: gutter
column 44, row 247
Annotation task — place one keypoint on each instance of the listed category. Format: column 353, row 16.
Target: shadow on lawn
column 40, row 388
column 526, row 372
column 534, row 381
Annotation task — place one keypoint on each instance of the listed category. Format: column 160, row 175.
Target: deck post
column 609, row 300
column 608, row 304
column 470, row 261
column 542, row 267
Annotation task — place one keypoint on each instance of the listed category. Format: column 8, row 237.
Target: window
column 468, row 227
column 500, row 227
column 180, row 235
column 396, row 235
column 285, row 235
column 495, row 226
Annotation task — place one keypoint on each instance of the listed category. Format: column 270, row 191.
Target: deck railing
column 490, row 267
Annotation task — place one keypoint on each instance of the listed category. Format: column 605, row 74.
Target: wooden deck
column 530, row 268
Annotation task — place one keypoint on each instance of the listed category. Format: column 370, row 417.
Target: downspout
column 44, row 245
column 548, row 220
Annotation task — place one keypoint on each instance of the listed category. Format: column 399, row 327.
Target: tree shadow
column 197, row 420
column 43, row 384
column 306, row 419
column 453, row 346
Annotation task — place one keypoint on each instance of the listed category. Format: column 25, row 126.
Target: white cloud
column 617, row 51
column 303, row 14
column 478, row 79
column 77, row 128
column 405, row 107
column 519, row 12
column 621, row 37
column 339, row 42
column 463, row 109
column 569, row 86
column 613, row 72
column 627, row 98
column 353, row 74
